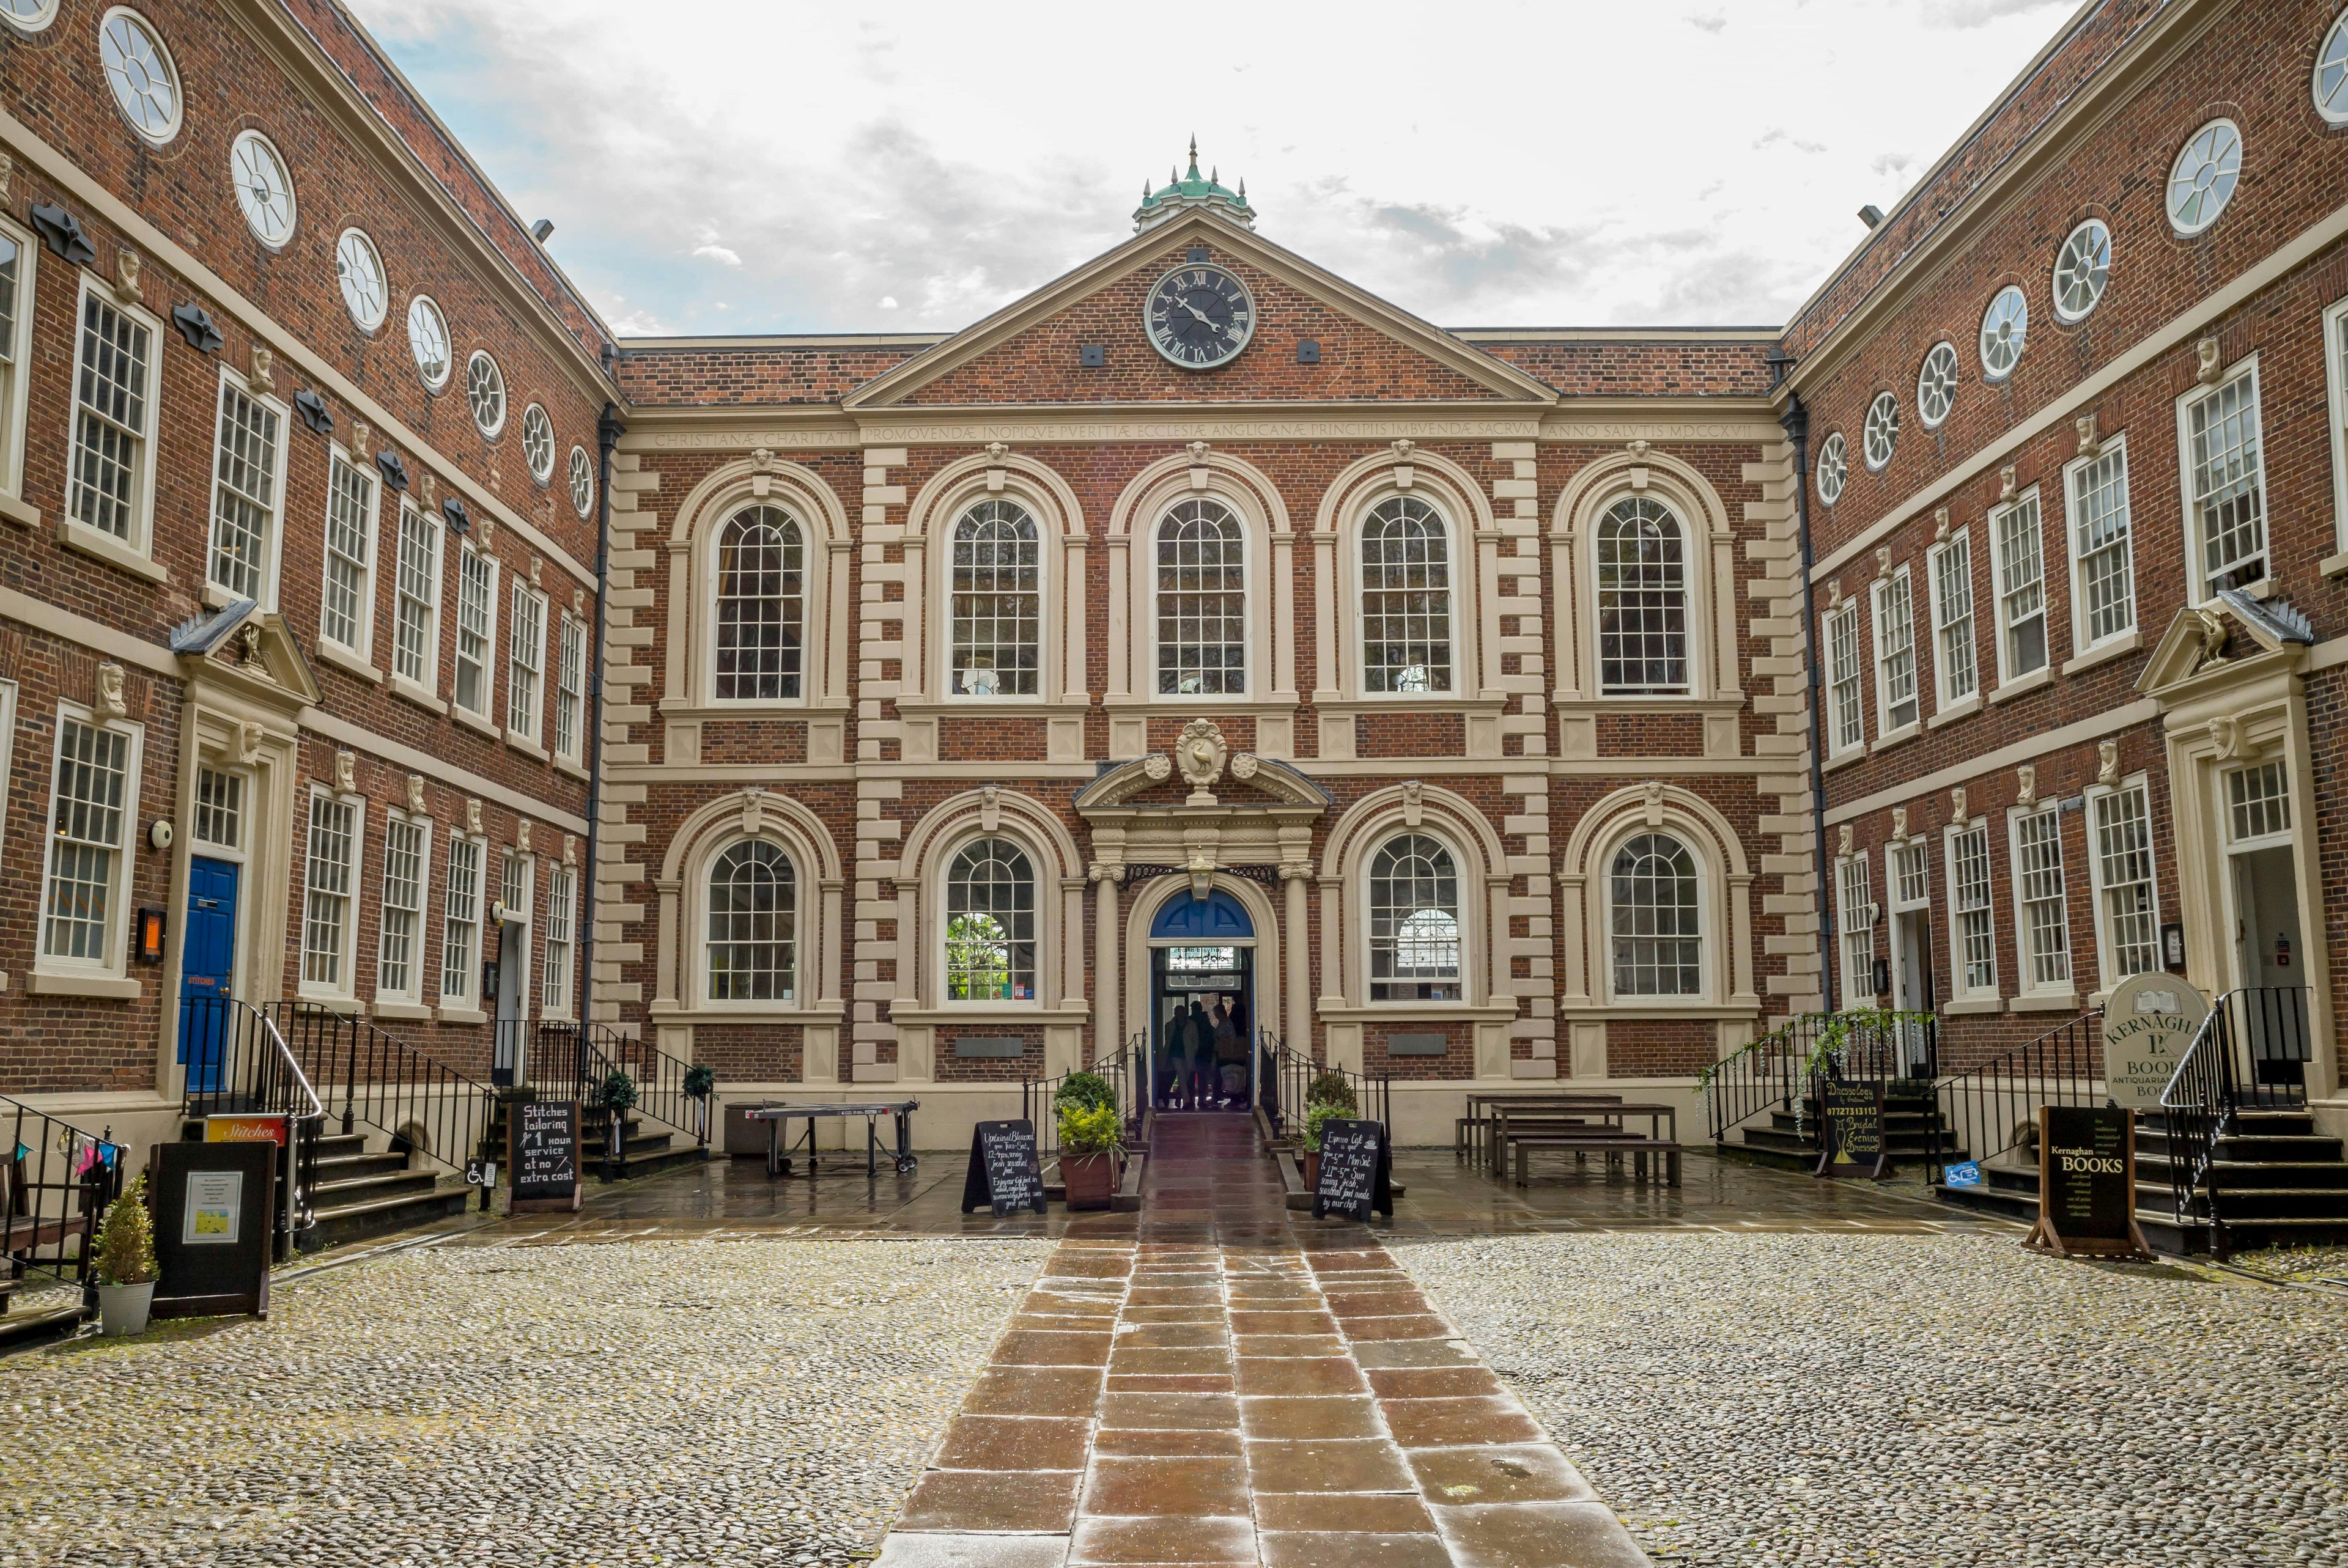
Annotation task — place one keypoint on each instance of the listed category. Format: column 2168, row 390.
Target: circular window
column 428, row 334
column 484, row 389
column 2082, row 266
column 537, row 443
column 2202, row 179
column 2331, row 73
column 2003, row 326
column 1936, row 385
column 583, row 481
column 263, row 190
column 138, row 68
column 1880, row 437
column 360, row 272
column 1834, row 467
column 28, row 15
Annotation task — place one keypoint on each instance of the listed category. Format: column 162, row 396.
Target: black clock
column 1199, row 316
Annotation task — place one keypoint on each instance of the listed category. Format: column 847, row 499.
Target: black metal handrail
column 238, row 1064
column 423, row 1105
column 593, row 1051
column 1780, row 1069
column 1994, row 1107
column 1373, row 1097
column 2250, row 1054
column 54, row 1184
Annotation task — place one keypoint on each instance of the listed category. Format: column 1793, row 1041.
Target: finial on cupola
column 1194, row 155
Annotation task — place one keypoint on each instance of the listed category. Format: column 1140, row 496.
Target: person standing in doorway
column 1201, row 1064
column 1230, row 1054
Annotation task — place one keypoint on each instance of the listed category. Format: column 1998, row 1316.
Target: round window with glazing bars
column 2082, row 266
column 1936, row 385
column 2202, row 179
column 1834, row 467
column 2004, row 326
column 1880, row 437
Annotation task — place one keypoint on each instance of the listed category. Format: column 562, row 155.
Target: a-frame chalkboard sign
column 2087, row 1184
column 543, row 1156
column 1005, row 1172
column 1850, row 1131
column 1356, row 1176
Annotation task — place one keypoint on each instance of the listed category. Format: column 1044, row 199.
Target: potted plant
column 700, row 1078
column 125, row 1263
column 1329, row 1087
column 1090, row 1090
column 1090, row 1142
column 1315, row 1117
column 619, row 1097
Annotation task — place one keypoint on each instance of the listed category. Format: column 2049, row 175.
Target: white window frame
column 1901, row 585
column 2106, row 947
column 274, row 525
column 525, row 914
column 556, row 982
column 2197, row 576
column 2073, row 512
column 137, row 552
column 1960, row 987
column 2335, row 381
column 468, row 1000
column 1945, row 697
column 118, row 948
column 425, row 682
column 2026, row 953
column 370, row 530
column 571, row 688
column 9, row 758
column 2006, row 674
column 520, row 641
column 1855, row 931
column 16, row 370
column 1841, row 681
column 488, row 659
column 420, row 940
column 345, row 987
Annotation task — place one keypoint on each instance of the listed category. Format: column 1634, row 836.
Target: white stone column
column 1296, row 944
column 1107, row 945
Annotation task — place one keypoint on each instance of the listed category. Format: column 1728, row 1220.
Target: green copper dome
column 1184, row 191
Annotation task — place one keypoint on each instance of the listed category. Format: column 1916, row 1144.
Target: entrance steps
column 1911, row 1132
column 359, row 1195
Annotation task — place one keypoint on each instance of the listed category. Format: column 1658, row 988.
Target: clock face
column 1200, row 316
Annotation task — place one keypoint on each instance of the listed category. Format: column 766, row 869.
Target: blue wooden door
column 207, row 970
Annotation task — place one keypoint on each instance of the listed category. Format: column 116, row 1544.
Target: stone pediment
column 2233, row 635
column 1202, row 761
column 252, row 653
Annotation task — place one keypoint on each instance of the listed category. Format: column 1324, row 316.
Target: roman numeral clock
column 1200, row 316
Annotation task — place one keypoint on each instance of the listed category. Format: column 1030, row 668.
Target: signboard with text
column 1850, row 1131
column 215, row 1207
column 1006, row 1172
column 1356, row 1175
column 543, row 1158
column 2148, row 1022
column 2086, row 1183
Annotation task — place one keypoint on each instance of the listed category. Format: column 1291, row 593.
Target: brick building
column 1200, row 624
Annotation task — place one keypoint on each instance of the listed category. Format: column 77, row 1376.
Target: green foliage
column 699, row 1080
column 1090, row 1129
column 1090, row 1090
column 126, row 1238
column 1319, row 1116
column 978, row 959
column 1827, row 1035
column 1329, row 1087
column 618, row 1092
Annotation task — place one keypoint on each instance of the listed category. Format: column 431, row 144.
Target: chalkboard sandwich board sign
column 2087, row 1184
column 215, row 1213
column 543, row 1158
column 1356, row 1175
column 1850, row 1131
column 1005, row 1172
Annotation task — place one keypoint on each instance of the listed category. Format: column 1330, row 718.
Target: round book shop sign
column 2148, row 1023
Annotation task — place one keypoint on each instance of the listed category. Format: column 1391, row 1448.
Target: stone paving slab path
column 1231, row 1387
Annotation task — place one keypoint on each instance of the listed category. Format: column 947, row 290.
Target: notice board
column 215, row 1222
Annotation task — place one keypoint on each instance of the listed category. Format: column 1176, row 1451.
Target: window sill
column 472, row 721
column 341, row 1002
column 913, row 705
column 817, row 1013
column 2104, row 652
column 2332, row 565
column 2022, row 685
column 1972, row 1007
column 401, row 686
column 1412, row 703
column 1658, row 1006
column 1891, row 738
column 952, row 1013
column 565, row 765
column 776, row 708
column 342, row 659
column 1648, row 702
column 24, row 516
column 111, row 987
column 1843, row 760
column 2044, row 1001
column 76, row 536
column 1277, row 703
column 525, row 745
column 1430, row 1012
column 1955, row 711
column 416, row 1012
column 447, row 1014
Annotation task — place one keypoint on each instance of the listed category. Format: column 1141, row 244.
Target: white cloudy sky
column 721, row 166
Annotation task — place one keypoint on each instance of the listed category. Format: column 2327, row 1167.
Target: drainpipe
column 607, row 431
column 1796, row 421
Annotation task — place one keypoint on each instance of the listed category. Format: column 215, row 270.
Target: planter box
column 122, row 1308
column 1090, row 1179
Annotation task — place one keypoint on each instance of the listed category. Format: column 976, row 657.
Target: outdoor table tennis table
column 778, row 1114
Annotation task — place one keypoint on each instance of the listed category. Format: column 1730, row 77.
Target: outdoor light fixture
column 149, row 936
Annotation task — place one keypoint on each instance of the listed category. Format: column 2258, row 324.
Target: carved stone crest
column 2211, row 634
column 1201, row 754
column 248, row 649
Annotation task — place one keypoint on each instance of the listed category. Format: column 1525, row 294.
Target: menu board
column 215, row 1212
column 2086, row 1183
column 544, row 1157
column 1850, row 1131
column 1356, row 1176
column 1005, row 1171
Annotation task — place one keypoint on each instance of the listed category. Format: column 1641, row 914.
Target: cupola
column 1184, row 191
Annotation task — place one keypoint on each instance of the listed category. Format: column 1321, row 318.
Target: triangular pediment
column 1032, row 351
column 250, row 651
column 2232, row 631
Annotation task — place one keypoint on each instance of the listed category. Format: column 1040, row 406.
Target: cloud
column 710, row 249
column 1777, row 134
column 1966, row 13
column 1711, row 23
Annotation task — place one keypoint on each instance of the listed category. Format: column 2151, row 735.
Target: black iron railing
column 586, row 1055
column 367, row 1075
column 240, row 1065
column 1039, row 1097
column 1994, row 1107
column 56, row 1181
column 2250, row 1054
column 1778, row 1071
column 1291, row 1078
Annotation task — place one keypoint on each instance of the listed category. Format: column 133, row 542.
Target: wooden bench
column 1613, row 1145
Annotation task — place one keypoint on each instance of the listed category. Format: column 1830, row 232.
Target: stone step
column 366, row 1218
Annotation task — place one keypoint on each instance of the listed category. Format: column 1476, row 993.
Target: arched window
column 752, row 941
column 991, row 924
column 1201, row 601
column 997, row 602
column 1413, row 922
column 1642, row 640
column 1405, row 598
column 1657, row 939
column 761, row 605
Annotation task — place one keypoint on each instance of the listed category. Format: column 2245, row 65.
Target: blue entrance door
column 207, row 967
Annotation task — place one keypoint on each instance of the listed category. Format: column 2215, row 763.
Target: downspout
column 607, row 431
column 1796, row 423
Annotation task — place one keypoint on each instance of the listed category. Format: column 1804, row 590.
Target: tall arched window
column 1413, row 922
column 1642, row 599
column 1405, row 598
column 1657, row 938
column 761, row 605
column 1202, row 601
column 998, row 602
column 752, row 943
column 991, row 924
